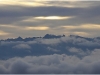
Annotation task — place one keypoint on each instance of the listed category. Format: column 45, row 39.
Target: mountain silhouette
column 46, row 45
column 47, row 36
column 50, row 36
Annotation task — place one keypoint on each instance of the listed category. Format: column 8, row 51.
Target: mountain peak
column 48, row 36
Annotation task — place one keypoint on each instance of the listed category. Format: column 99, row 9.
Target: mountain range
column 47, row 45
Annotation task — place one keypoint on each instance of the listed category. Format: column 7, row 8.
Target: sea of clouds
column 66, row 55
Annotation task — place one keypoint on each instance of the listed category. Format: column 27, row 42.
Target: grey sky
column 36, row 18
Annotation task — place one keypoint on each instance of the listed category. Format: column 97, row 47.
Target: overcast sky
column 27, row 18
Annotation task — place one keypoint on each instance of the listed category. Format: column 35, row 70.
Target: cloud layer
column 53, row 64
column 72, row 45
column 64, row 55
column 27, row 19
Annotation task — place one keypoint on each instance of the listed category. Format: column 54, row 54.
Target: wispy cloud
column 2, row 33
column 52, row 18
column 37, row 28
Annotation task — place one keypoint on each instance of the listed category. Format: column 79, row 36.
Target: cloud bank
column 53, row 64
column 64, row 55
column 70, row 45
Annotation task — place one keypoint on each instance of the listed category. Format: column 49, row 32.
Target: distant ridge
column 47, row 45
column 47, row 36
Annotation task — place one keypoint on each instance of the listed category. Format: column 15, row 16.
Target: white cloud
column 22, row 46
column 73, row 40
column 52, row 18
column 53, row 64
column 37, row 28
column 48, row 41
column 79, row 51
column 74, row 50
column 52, row 49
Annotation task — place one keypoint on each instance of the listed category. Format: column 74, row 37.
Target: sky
column 28, row 18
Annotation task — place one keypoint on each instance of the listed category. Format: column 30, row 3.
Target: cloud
column 53, row 64
column 3, row 33
column 32, row 16
column 85, row 26
column 78, row 51
column 2, row 70
column 19, row 11
column 74, row 50
column 73, row 45
column 51, row 49
column 61, row 3
column 37, row 28
column 52, row 17
column 49, row 41
column 66, row 55
column 22, row 46
column 22, row 2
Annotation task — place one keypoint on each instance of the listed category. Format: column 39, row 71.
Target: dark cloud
column 16, row 13
column 83, row 15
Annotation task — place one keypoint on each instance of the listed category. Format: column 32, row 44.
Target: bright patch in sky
column 37, row 28
column 21, row 2
column 10, row 26
column 85, row 26
column 3, row 33
column 52, row 17
column 34, row 19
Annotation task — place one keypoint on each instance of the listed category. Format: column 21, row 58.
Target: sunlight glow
column 37, row 28
column 86, row 26
column 21, row 2
column 81, row 33
column 52, row 17
column 35, row 19
column 81, row 27
column 10, row 26
column 2, row 33
column 36, row 3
